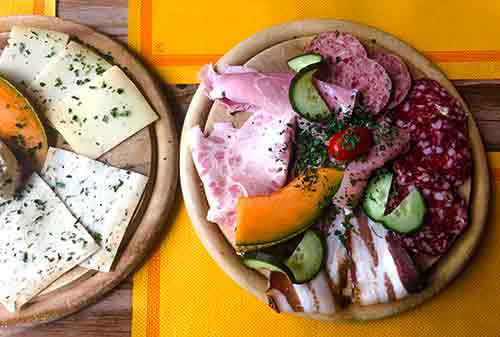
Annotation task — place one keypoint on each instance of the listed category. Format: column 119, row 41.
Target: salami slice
column 398, row 73
column 446, row 219
column 368, row 77
column 335, row 46
column 427, row 102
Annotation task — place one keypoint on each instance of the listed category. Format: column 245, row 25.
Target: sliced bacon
column 245, row 89
column 391, row 141
column 381, row 269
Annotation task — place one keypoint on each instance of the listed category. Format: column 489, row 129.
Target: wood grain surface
column 112, row 315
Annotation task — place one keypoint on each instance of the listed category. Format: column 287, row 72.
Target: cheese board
column 120, row 186
column 267, row 53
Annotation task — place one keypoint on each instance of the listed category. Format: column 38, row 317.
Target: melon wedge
column 264, row 221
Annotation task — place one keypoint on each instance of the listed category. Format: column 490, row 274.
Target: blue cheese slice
column 40, row 241
column 99, row 116
column 28, row 51
column 73, row 67
column 102, row 197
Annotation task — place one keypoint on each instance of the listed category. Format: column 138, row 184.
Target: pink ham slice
column 381, row 269
column 245, row 89
column 391, row 141
column 234, row 162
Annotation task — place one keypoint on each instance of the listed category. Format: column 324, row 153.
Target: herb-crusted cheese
column 100, row 115
column 73, row 67
column 102, row 197
column 29, row 50
column 40, row 241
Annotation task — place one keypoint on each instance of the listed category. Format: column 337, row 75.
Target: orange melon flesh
column 266, row 220
column 21, row 129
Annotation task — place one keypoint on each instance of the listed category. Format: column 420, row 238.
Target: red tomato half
column 350, row 143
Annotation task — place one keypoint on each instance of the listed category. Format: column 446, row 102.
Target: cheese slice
column 73, row 67
column 40, row 240
column 102, row 197
column 97, row 117
column 29, row 50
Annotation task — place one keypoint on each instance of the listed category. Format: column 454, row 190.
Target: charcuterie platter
column 338, row 175
column 89, row 166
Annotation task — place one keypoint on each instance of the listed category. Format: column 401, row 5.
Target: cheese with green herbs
column 102, row 197
column 29, row 50
column 73, row 67
column 40, row 241
column 100, row 115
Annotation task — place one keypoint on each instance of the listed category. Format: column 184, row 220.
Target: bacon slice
column 391, row 141
column 245, row 89
column 381, row 270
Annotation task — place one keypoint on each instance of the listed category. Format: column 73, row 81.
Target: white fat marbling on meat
column 375, row 271
column 279, row 300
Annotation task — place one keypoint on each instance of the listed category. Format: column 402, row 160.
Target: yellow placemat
column 181, row 292
column 461, row 36
column 26, row 7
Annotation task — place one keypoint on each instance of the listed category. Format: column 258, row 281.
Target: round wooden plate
column 152, row 152
column 268, row 51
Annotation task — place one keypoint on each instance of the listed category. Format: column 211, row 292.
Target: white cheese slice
column 40, row 241
column 102, row 197
column 73, row 67
column 29, row 50
column 97, row 117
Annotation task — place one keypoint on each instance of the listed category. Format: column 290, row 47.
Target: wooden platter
column 152, row 152
column 268, row 51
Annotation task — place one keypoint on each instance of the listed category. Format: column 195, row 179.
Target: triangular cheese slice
column 99, row 116
column 73, row 67
column 29, row 50
column 102, row 197
column 40, row 241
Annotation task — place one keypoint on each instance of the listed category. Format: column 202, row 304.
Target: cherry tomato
column 350, row 143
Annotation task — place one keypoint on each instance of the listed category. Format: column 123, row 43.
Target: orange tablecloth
column 181, row 291
column 461, row 36
column 26, row 7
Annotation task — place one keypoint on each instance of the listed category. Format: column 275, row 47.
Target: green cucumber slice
column 377, row 195
column 408, row 216
column 308, row 258
column 260, row 260
column 299, row 62
column 304, row 97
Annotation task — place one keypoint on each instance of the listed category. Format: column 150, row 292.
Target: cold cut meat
column 398, row 73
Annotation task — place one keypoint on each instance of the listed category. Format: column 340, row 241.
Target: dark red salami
column 335, row 46
column 439, row 160
column 446, row 218
column 427, row 102
column 398, row 73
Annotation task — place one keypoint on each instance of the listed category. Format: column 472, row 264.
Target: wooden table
column 112, row 315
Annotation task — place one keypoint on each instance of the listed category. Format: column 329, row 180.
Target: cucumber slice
column 299, row 62
column 260, row 260
column 307, row 259
column 304, row 97
column 408, row 216
column 377, row 195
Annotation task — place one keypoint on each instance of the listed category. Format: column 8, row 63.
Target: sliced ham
column 234, row 162
column 390, row 142
column 381, row 269
column 245, row 89
column 338, row 99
